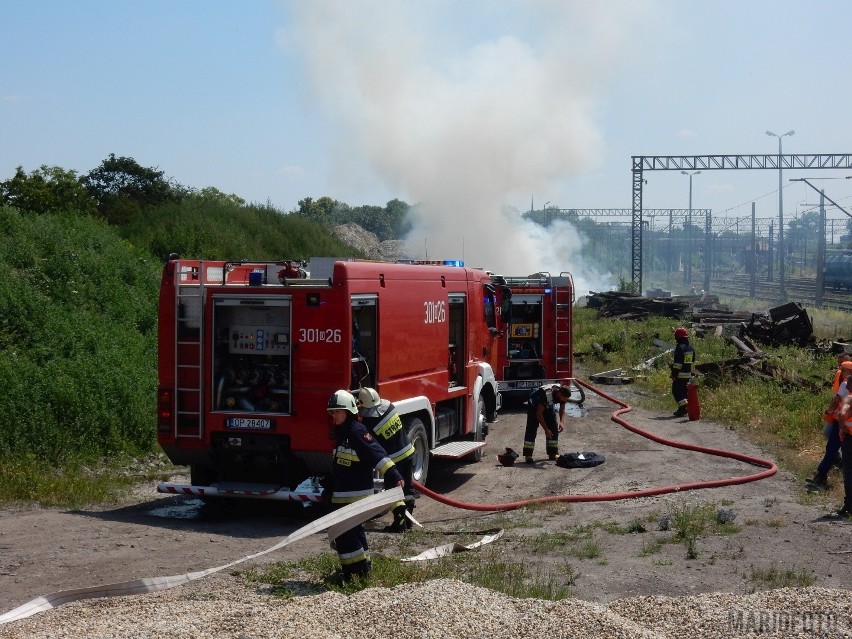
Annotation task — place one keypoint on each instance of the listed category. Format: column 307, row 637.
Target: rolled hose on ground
column 770, row 467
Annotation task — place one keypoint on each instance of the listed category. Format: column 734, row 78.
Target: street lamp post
column 781, row 256
column 687, row 269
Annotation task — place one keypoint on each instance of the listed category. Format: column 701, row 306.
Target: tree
column 122, row 187
column 48, row 189
column 211, row 194
column 321, row 210
column 398, row 219
column 373, row 219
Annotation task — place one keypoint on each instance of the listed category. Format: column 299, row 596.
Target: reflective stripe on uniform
column 347, row 558
column 405, row 453
column 346, row 454
column 389, row 425
column 348, row 496
column 384, row 465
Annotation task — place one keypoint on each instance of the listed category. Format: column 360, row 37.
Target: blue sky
column 462, row 107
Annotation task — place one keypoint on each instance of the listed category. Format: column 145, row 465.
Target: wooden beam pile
column 631, row 306
column 707, row 317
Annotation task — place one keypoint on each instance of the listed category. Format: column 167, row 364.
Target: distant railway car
column 838, row 272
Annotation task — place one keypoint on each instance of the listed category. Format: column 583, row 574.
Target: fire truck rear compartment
column 250, row 457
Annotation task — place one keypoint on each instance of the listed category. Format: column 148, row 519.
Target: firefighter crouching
column 356, row 455
column 684, row 358
column 540, row 412
column 381, row 418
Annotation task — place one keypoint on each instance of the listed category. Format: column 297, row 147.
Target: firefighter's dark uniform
column 681, row 371
column 356, row 456
column 542, row 396
column 384, row 422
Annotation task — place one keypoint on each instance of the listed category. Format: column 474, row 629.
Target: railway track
column 799, row 289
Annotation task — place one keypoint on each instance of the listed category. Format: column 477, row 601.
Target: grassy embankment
column 78, row 349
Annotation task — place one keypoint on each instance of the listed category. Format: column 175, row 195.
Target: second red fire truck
column 535, row 324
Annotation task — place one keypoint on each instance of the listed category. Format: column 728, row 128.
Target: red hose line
column 770, row 467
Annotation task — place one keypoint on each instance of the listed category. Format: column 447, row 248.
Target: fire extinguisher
column 693, row 405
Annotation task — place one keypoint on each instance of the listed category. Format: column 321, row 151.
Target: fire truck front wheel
column 420, row 440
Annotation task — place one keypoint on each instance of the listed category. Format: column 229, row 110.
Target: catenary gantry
column 642, row 163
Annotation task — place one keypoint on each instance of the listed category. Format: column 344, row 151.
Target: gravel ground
column 222, row 607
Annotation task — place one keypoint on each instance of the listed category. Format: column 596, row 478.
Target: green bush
column 213, row 228
column 77, row 340
column 78, row 324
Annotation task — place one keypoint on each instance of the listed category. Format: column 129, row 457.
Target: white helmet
column 369, row 398
column 342, row 400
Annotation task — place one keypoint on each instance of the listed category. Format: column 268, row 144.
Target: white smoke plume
column 460, row 130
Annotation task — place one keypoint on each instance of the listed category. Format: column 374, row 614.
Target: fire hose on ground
column 377, row 504
column 769, row 466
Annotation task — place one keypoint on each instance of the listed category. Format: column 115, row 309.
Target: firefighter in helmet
column 356, row 456
column 541, row 411
column 681, row 370
column 380, row 416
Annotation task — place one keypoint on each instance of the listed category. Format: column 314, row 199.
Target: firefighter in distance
column 844, row 418
column 381, row 418
column 681, row 370
column 356, row 456
column 541, row 411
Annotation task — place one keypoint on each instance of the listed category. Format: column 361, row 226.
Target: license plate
column 249, row 422
column 534, row 384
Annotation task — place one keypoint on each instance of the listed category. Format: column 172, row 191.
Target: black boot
column 819, row 481
column 400, row 521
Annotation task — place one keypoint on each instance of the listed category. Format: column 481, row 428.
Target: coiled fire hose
column 769, row 466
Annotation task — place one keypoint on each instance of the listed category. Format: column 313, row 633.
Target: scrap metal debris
column 785, row 324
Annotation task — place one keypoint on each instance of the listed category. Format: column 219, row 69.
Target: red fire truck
column 250, row 352
column 536, row 341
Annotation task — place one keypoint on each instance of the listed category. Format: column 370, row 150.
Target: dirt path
column 781, row 530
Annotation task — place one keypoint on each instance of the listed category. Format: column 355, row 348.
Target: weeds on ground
column 775, row 577
column 485, row 569
column 614, row 528
column 579, row 542
column 73, row 484
column 652, row 547
column 690, row 519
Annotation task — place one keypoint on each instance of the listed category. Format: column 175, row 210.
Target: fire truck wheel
column 420, row 440
column 478, row 431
